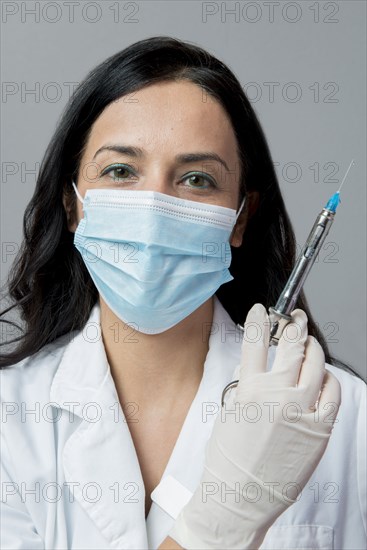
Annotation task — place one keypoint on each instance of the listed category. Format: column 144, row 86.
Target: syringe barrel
column 288, row 298
column 280, row 314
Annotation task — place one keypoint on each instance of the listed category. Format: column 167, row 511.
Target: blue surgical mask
column 154, row 258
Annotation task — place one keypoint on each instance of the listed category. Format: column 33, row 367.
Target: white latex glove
column 269, row 450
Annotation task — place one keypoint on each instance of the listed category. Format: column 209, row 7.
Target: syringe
column 280, row 314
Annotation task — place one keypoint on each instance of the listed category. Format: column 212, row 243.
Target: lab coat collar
column 102, row 452
column 84, row 370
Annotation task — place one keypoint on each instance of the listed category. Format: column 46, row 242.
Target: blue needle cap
column 333, row 202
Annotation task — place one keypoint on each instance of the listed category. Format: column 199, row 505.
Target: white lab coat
column 70, row 474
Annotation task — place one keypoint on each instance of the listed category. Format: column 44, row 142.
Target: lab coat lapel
column 99, row 458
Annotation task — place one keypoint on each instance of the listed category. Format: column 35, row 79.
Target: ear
column 69, row 207
column 251, row 205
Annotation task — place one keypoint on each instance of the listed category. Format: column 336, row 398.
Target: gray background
column 315, row 122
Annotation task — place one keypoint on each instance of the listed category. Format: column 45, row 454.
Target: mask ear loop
column 240, row 209
column 77, row 193
column 238, row 213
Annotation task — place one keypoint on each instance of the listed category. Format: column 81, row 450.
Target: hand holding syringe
column 258, row 459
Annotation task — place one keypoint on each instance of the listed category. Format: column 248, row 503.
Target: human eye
column 117, row 170
column 195, row 177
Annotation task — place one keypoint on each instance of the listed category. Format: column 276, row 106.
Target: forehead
column 167, row 116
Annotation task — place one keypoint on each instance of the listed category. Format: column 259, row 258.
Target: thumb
column 255, row 345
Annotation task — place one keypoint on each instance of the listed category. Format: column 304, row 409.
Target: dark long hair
column 49, row 282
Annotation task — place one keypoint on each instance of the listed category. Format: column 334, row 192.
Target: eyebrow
column 183, row 158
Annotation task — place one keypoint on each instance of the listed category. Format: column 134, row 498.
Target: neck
column 154, row 368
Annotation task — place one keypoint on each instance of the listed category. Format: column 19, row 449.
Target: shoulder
column 345, row 377
column 32, row 377
column 353, row 390
column 346, row 455
column 350, row 424
column 29, row 424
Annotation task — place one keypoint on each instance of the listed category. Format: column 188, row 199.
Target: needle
column 334, row 200
column 349, row 167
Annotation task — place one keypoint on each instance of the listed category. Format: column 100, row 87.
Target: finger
column 312, row 371
column 330, row 399
column 255, row 343
column 290, row 352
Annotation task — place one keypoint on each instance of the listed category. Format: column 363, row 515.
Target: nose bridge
column 159, row 177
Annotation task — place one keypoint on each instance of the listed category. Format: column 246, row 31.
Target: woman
column 123, row 275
